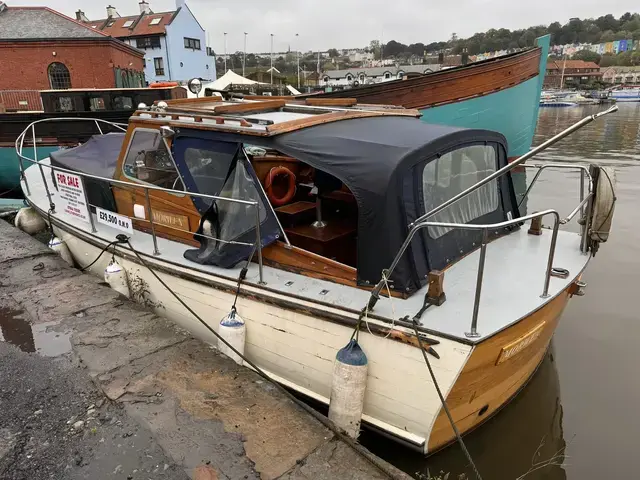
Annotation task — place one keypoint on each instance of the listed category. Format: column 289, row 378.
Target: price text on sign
column 114, row 220
column 71, row 196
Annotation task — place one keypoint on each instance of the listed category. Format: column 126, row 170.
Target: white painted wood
column 301, row 349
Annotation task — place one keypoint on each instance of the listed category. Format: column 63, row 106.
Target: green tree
column 374, row 47
column 587, row 56
column 608, row 60
column 333, row 53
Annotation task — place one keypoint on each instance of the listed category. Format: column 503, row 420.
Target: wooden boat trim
column 484, row 385
column 161, row 119
column 297, row 260
column 286, row 127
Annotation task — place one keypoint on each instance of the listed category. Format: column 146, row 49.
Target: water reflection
column 613, row 139
column 41, row 338
column 524, row 436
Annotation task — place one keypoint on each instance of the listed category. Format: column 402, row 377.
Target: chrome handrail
column 583, row 171
column 473, row 333
column 517, row 162
column 19, row 144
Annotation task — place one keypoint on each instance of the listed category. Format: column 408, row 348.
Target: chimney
column 81, row 17
column 144, row 7
column 112, row 12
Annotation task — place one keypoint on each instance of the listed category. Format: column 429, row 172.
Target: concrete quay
column 95, row 386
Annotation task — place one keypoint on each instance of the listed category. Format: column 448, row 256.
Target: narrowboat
column 321, row 223
column 114, row 105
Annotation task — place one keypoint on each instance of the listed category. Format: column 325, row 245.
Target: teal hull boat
column 10, row 168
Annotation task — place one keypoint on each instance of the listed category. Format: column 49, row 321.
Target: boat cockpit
column 335, row 198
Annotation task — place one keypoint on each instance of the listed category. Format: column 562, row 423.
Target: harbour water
column 577, row 418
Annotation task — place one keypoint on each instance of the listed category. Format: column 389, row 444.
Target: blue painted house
column 174, row 42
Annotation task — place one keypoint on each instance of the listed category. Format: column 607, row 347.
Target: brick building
column 567, row 73
column 42, row 49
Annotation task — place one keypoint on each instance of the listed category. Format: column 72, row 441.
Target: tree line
column 603, row 29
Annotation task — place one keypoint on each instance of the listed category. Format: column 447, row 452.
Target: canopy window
column 451, row 174
column 220, row 168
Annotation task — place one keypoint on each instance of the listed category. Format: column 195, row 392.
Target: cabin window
column 59, row 76
column 96, row 104
column 123, row 103
column 64, row 104
column 453, row 173
column 149, row 161
column 210, row 166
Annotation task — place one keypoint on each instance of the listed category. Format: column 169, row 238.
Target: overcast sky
column 324, row 24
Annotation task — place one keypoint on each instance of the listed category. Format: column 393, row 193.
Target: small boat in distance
column 364, row 222
column 626, row 94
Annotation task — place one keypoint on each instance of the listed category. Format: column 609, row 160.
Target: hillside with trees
column 606, row 28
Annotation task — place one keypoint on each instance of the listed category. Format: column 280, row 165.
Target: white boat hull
column 299, row 350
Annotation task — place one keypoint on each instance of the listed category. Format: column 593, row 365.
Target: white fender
column 29, row 221
column 60, row 247
column 348, row 385
column 116, row 277
column 603, row 204
column 233, row 329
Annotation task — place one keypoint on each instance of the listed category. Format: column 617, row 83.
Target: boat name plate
column 512, row 349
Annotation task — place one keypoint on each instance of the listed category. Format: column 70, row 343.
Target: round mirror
column 195, row 86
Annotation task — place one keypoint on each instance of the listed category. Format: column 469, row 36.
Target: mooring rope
column 444, row 402
column 340, row 434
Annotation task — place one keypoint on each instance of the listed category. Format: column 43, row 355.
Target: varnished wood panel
column 449, row 86
column 485, row 382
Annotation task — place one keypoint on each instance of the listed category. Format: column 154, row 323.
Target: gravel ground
column 54, row 424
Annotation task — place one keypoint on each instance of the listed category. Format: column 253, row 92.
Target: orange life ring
column 291, row 190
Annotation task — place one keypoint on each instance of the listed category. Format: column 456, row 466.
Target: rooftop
column 135, row 25
column 36, row 23
column 570, row 64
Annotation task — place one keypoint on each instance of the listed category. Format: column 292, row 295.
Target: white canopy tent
column 224, row 81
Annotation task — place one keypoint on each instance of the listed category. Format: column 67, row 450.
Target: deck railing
column 146, row 188
column 422, row 221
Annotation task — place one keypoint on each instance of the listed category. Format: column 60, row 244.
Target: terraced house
column 174, row 42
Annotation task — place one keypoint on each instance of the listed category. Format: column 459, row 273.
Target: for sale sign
column 71, row 199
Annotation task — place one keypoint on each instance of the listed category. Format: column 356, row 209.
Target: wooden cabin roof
column 263, row 116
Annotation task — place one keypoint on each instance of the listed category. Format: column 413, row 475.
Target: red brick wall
column 23, row 66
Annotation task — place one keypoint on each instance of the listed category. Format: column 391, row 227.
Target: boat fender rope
column 340, row 434
column 119, row 239
column 444, row 402
column 596, row 231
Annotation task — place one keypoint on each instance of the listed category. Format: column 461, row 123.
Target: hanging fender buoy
column 291, row 189
column 604, row 203
column 233, row 330
column 60, row 247
column 348, row 385
column 29, row 221
column 116, row 277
